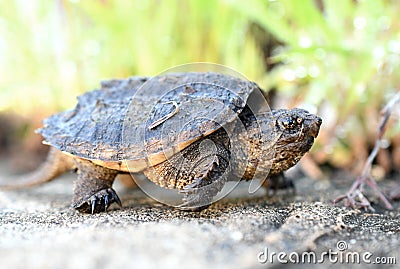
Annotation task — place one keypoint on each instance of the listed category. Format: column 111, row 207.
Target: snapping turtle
column 186, row 131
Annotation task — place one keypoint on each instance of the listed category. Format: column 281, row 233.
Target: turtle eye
column 299, row 120
column 289, row 122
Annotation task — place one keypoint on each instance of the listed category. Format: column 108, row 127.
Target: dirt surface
column 39, row 230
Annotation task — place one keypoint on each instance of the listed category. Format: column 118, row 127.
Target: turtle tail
column 56, row 164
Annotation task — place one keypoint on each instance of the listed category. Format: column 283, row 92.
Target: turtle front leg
column 93, row 191
column 198, row 172
column 206, row 184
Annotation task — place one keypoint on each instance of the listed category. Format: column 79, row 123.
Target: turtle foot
column 98, row 202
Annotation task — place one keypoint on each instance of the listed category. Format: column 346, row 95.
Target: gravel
column 38, row 229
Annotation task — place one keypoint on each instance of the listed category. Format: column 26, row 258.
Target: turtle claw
column 194, row 203
column 93, row 202
column 188, row 207
column 106, row 202
column 98, row 202
column 116, row 199
column 199, row 194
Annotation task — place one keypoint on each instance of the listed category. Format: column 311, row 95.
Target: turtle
column 190, row 131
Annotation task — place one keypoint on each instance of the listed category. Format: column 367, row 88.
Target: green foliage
column 345, row 52
column 53, row 50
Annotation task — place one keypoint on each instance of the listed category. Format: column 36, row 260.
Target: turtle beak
column 317, row 121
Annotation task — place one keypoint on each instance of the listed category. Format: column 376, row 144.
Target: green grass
column 54, row 50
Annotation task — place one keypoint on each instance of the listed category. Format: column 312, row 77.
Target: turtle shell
column 131, row 124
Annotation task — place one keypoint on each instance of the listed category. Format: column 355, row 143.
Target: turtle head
column 295, row 131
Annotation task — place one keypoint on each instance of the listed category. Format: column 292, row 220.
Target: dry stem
column 355, row 197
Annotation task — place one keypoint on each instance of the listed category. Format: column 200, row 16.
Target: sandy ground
column 38, row 229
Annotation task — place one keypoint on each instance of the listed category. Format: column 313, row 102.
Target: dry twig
column 355, row 197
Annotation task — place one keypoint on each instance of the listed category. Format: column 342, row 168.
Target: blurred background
column 339, row 59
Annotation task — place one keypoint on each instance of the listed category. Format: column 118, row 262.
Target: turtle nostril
column 319, row 121
column 316, row 127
